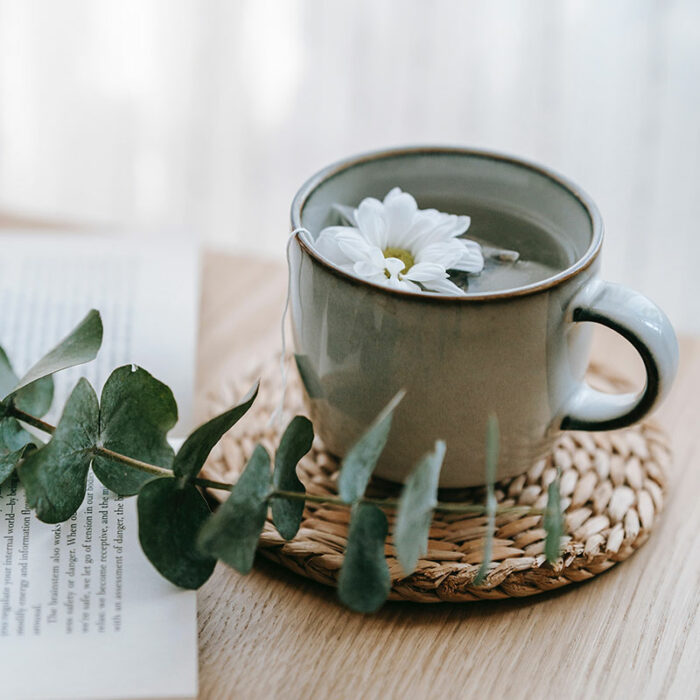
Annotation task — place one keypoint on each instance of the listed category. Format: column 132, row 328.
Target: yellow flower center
column 403, row 255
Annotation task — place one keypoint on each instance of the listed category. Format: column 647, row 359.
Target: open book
column 83, row 614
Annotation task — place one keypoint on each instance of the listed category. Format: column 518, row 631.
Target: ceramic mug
column 520, row 353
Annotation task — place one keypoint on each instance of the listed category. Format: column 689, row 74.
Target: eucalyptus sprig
column 122, row 436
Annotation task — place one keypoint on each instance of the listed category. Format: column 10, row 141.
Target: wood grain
column 632, row 632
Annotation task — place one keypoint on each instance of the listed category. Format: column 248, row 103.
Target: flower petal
column 366, row 269
column 327, row 245
column 460, row 224
column 355, row 245
column 443, row 286
column 472, row 258
column 412, row 285
column 399, row 211
column 370, row 219
column 396, row 283
column 444, row 253
column 431, row 236
column 425, row 271
column 448, row 228
column 372, row 266
column 422, row 224
column 394, row 266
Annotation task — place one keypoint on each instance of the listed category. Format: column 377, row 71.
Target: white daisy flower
column 395, row 244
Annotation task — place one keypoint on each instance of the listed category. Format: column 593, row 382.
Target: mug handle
column 643, row 324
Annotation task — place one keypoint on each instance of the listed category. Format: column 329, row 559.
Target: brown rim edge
column 326, row 173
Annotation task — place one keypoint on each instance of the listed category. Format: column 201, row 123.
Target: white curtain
column 204, row 116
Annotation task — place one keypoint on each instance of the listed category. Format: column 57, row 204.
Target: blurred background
column 201, row 119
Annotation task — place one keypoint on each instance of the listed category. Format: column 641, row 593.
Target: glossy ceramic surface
column 520, row 354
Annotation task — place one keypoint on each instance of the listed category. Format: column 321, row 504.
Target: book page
column 148, row 297
column 83, row 614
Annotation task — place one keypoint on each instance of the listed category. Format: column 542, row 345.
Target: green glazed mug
column 519, row 353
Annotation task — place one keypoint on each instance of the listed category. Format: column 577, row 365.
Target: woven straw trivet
column 612, row 488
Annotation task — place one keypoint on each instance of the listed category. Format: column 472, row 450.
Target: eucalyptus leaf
column 359, row 462
column 34, row 399
column 170, row 517
column 13, row 436
column 232, row 533
column 492, row 440
column 415, row 512
column 136, row 413
column 364, row 582
column 81, row 345
column 9, row 462
column 55, row 476
column 195, row 450
column 295, row 443
column 15, row 443
column 8, row 378
column 553, row 522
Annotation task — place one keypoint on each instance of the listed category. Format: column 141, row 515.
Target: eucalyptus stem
column 210, row 484
column 441, row 506
column 131, row 462
column 117, row 456
column 31, row 420
column 391, row 503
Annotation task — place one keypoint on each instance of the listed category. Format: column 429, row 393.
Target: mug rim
column 325, row 174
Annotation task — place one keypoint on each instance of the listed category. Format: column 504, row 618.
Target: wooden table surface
column 632, row 632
